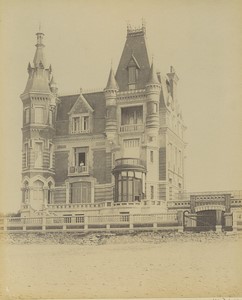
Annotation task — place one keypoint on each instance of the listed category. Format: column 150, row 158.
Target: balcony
column 78, row 131
column 123, row 164
column 132, row 128
column 78, row 170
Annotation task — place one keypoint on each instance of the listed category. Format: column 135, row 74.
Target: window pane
column 85, row 124
column 132, row 74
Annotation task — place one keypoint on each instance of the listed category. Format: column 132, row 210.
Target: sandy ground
column 183, row 268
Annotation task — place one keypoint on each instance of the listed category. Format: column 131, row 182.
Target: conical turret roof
column 112, row 83
column 153, row 79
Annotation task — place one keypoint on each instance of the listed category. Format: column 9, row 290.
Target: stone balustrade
column 81, row 222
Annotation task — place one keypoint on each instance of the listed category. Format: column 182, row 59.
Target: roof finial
column 81, row 91
column 39, row 26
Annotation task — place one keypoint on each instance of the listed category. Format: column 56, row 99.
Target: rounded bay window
column 129, row 176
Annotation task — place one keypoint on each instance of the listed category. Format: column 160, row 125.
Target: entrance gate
column 204, row 220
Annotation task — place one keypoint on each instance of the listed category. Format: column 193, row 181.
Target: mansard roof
column 135, row 49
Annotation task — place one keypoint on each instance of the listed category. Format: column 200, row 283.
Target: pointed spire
column 112, row 83
column 39, row 75
column 153, row 79
column 39, row 58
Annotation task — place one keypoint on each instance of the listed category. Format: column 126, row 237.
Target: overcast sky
column 201, row 39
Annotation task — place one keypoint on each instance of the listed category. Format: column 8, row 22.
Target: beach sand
column 124, row 267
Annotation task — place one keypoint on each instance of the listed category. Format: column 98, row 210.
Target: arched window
column 26, row 192
column 38, row 155
column 50, row 188
column 38, row 191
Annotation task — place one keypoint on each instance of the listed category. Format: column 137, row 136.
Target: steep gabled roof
column 135, row 47
column 79, row 102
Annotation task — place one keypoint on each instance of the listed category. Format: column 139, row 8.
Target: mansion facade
column 110, row 151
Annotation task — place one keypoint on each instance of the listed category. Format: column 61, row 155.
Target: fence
column 91, row 223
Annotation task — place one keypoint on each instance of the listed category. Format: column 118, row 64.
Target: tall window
column 76, row 124
column 51, row 155
column 85, row 123
column 132, row 74
column 49, row 193
column 81, row 192
column 26, row 154
column 129, row 186
column 26, row 192
column 39, row 115
column 50, row 117
column 38, row 191
column 80, row 157
column 38, row 155
column 27, row 115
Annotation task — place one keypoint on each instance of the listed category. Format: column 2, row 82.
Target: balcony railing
column 80, row 130
column 129, row 161
column 78, row 170
column 132, row 128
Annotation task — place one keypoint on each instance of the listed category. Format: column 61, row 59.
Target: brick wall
column 99, row 165
column 61, row 166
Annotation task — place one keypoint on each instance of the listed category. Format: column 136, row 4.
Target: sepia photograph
column 121, row 149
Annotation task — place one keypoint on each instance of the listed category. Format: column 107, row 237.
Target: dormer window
column 76, row 125
column 81, row 124
column 81, row 117
column 133, row 70
column 133, row 76
column 85, row 123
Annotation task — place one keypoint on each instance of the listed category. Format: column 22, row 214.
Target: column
column 45, row 197
column 67, row 192
column 218, row 220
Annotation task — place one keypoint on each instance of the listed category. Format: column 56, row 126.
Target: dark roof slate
column 135, row 45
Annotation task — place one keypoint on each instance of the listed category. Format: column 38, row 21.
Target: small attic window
column 133, row 76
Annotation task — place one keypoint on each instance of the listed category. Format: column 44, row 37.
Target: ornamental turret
column 153, row 88
column 110, row 93
column 39, row 108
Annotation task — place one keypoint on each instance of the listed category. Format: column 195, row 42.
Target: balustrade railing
column 77, row 170
column 132, row 128
column 86, row 222
column 129, row 161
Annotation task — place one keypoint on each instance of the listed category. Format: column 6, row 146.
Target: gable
column 81, row 106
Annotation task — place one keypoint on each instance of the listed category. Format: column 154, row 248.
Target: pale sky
column 201, row 39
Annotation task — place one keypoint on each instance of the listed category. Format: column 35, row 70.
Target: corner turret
column 110, row 93
column 153, row 88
